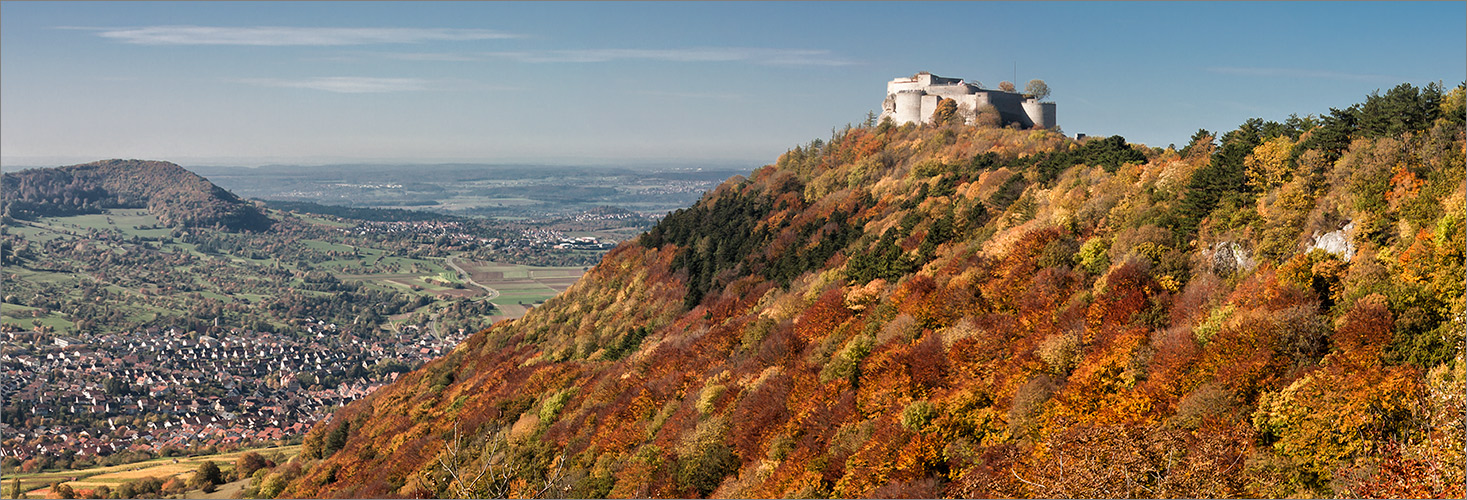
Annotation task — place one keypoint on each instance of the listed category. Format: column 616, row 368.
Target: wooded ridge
column 175, row 195
column 927, row 311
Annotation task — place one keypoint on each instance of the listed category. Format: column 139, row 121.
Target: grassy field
column 22, row 319
column 37, row 485
column 521, row 285
column 127, row 221
column 40, row 234
column 226, row 490
column 317, row 220
column 25, row 316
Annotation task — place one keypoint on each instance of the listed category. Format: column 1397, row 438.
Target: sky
column 254, row 83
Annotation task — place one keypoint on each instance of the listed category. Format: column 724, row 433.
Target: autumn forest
column 969, row 311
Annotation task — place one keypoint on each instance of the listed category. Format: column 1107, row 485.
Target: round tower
column 908, row 107
column 1041, row 114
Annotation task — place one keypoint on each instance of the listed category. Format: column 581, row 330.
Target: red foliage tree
column 758, row 413
column 821, row 318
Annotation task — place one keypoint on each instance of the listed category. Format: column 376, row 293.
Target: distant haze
column 593, row 83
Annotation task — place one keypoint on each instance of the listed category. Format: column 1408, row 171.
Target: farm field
column 520, row 287
column 38, row 485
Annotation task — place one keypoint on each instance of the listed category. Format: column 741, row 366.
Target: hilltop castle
column 913, row 99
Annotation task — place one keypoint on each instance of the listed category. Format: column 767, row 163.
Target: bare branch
column 1026, row 481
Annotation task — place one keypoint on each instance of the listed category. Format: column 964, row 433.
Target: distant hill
column 176, row 196
column 956, row 311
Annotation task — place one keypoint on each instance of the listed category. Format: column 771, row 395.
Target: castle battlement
column 913, row 100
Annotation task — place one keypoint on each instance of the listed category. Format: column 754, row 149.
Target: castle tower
column 908, row 107
column 1040, row 114
column 912, row 100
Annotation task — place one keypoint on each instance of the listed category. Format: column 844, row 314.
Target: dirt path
column 226, row 490
column 493, row 294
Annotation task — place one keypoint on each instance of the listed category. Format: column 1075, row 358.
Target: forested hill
column 178, row 197
column 963, row 311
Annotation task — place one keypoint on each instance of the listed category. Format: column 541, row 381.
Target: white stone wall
column 929, row 106
column 908, row 108
column 913, row 100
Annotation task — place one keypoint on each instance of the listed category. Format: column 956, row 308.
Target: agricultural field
column 518, row 287
column 37, row 485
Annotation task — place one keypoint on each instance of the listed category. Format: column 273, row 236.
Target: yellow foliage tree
column 1333, row 415
column 1270, row 165
column 946, row 110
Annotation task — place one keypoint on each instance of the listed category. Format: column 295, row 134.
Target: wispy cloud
column 344, row 84
column 692, row 95
column 287, row 36
column 432, row 57
column 776, row 57
column 1299, row 73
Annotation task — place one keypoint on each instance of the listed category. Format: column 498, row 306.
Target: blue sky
column 218, row 83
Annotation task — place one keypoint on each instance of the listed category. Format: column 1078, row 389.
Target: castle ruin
column 914, row 99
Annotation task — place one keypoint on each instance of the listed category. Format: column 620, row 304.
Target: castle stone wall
column 1010, row 108
column 929, row 106
column 908, row 107
column 1040, row 114
column 913, row 100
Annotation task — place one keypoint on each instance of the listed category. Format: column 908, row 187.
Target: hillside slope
column 960, row 311
column 178, row 197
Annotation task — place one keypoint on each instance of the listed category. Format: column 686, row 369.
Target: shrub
column 272, row 485
column 762, row 408
column 207, row 474
column 1213, row 323
column 928, row 168
column 62, row 490
column 337, row 438
column 947, row 109
column 1059, row 251
column 247, row 464
column 174, row 486
column 1208, row 399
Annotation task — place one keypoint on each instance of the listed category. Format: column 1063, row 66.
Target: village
column 531, row 238
column 156, row 392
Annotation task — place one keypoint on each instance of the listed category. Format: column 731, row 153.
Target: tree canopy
column 1038, row 89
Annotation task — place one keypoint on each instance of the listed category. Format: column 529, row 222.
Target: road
column 493, row 294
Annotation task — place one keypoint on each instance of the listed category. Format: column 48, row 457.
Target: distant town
column 459, row 235
column 155, row 390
